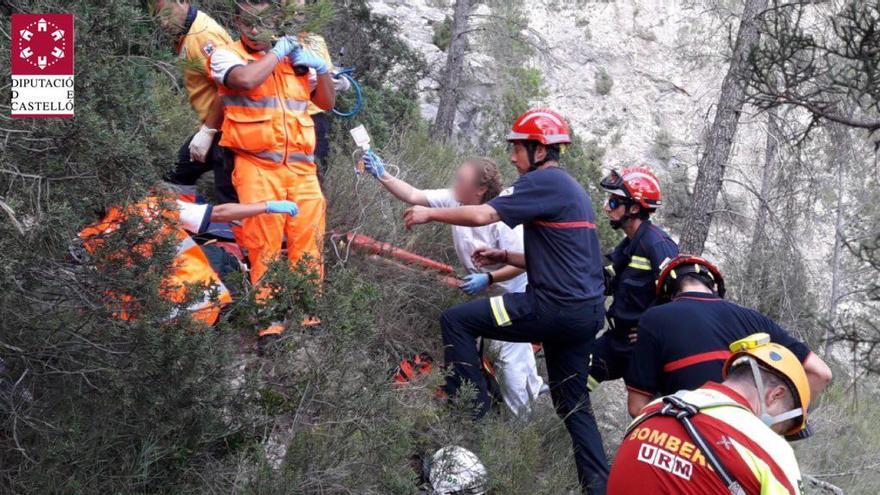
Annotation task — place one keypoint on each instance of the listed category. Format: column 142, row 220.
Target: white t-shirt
column 222, row 60
column 468, row 239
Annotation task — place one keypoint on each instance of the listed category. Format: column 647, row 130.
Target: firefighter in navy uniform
column 635, row 264
column 563, row 305
column 682, row 344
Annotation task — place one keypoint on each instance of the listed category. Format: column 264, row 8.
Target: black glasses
column 615, row 201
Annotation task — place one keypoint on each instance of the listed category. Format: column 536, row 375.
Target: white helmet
column 455, row 470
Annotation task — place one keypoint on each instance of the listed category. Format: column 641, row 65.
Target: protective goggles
column 615, row 201
column 613, row 181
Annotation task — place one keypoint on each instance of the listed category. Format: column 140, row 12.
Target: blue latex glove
column 288, row 207
column 374, row 165
column 284, row 46
column 475, row 283
column 306, row 57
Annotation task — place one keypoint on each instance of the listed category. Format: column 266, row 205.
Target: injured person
column 477, row 181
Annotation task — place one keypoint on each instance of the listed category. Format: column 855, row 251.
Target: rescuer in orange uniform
column 196, row 36
column 191, row 266
column 267, row 126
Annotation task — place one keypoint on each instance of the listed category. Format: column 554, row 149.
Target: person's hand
column 608, row 273
column 341, row 84
column 288, row 207
column 201, row 143
column 308, row 58
column 284, row 46
column 416, row 215
column 475, row 283
column 374, row 165
column 484, row 256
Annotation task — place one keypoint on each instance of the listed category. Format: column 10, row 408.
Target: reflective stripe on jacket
column 636, row 263
column 270, row 121
column 191, row 266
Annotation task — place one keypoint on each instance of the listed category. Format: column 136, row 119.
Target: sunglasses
column 615, row 201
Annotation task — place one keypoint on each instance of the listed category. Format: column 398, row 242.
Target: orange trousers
column 258, row 180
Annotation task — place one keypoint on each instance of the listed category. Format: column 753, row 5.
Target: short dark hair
column 553, row 152
column 702, row 278
column 741, row 372
column 644, row 213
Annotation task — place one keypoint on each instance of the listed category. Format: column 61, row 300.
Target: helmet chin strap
column 762, row 406
column 531, row 147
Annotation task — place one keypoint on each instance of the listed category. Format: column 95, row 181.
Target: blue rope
column 358, row 93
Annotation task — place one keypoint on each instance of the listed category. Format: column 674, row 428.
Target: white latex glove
column 201, row 143
column 313, row 80
column 341, row 84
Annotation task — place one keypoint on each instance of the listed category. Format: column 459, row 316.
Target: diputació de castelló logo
column 42, row 53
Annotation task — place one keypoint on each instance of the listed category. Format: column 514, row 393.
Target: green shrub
column 662, row 147
column 94, row 404
column 442, row 33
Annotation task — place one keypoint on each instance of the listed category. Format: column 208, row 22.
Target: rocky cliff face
column 639, row 77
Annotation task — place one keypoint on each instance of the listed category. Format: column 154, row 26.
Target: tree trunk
column 840, row 149
column 755, row 276
column 720, row 139
column 449, row 87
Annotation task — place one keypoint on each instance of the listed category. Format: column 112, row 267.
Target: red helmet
column 542, row 125
column 683, row 264
column 636, row 183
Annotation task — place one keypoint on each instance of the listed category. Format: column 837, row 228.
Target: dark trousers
column 187, row 172
column 322, row 144
column 567, row 335
column 611, row 356
column 612, row 352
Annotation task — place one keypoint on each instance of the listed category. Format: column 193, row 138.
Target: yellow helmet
column 785, row 364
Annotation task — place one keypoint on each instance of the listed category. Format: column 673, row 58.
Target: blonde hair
column 488, row 175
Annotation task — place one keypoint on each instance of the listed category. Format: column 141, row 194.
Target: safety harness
column 676, row 407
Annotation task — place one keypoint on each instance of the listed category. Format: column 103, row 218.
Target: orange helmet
column 639, row 184
column 413, row 369
column 673, row 268
column 542, row 125
column 781, row 362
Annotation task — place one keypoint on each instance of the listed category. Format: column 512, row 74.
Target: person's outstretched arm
column 507, row 272
column 229, row 212
column 466, row 216
column 818, row 374
column 400, row 189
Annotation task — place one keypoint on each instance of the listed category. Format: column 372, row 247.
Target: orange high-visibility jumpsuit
column 273, row 138
column 191, row 266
